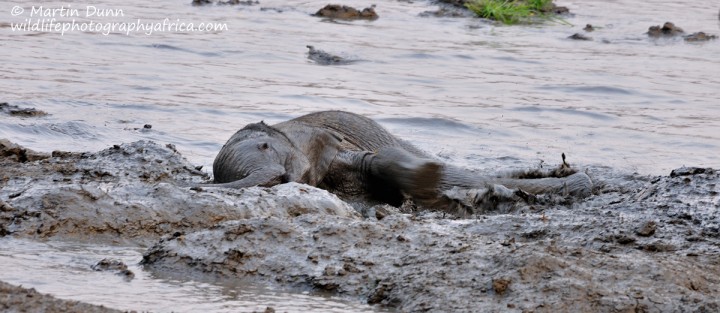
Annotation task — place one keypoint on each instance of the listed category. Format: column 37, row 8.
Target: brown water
column 473, row 93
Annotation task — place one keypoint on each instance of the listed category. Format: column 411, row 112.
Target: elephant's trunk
column 265, row 177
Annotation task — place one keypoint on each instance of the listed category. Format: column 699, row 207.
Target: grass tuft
column 510, row 11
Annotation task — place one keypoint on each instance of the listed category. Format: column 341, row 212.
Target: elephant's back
column 359, row 132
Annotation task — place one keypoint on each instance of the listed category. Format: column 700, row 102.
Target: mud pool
column 628, row 107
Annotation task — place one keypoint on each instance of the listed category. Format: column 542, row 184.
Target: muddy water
column 468, row 91
column 64, row 270
column 461, row 87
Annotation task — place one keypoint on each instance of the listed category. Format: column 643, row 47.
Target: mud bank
column 131, row 193
column 639, row 243
column 18, row 299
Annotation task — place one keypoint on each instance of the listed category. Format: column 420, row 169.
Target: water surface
column 470, row 92
column 525, row 92
column 64, row 270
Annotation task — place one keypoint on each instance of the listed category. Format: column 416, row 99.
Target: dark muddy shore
column 640, row 243
column 17, row 299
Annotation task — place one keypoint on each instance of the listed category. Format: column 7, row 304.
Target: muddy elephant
column 357, row 159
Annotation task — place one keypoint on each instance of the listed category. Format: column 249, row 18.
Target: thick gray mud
column 639, row 243
column 132, row 193
column 17, row 299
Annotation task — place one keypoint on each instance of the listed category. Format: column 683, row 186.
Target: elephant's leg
column 578, row 184
column 389, row 175
column 414, row 176
column 477, row 194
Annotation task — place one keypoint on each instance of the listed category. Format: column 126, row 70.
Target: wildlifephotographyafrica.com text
column 93, row 19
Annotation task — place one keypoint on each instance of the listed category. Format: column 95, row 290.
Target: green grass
column 540, row 5
column 510, row 11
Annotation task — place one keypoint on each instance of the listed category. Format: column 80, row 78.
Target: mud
column 596, row 255
column 579, row 36
column 324, row 58
column 448, row 11
column 670, row 30
column 132, row 193
column 699, row 36
column 14, row 110
column 116, row 266
column 17, row 299
column 15, row 153
column 343, row 12
column 667, row 30
column 556, row 9
column 639, row 243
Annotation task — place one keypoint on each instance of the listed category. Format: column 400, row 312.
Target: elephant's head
column 260, row 155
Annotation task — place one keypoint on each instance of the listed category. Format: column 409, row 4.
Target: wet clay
column 132, row 193
column 18, row 299
column 639, row 243
column 642, row 243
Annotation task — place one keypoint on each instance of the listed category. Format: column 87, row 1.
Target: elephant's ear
column 324, row 147
column 329, row 143
column 314, row 150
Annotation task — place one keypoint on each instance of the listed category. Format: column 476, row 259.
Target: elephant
column 357, row 159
